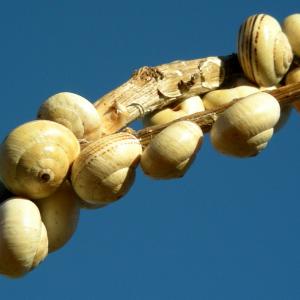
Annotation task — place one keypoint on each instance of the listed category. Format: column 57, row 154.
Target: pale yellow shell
column 245, row 128
column 35, row 158
column 293, row 77
column 264, row 51
column 217, row 98
column 74, row 112
column 105, row 170
column 171, row 152
column 60, row 214
column 176, row 110
column 291, row 27
column 23, row 237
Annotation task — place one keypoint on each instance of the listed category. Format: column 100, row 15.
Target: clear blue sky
column 230, row 229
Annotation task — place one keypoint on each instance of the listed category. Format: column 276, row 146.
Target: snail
column 176, row 110
column 217, row 98
column 293, row 77
column 60, row 214
column 245, row 128
column 291, row 27
column 23, row 237
column 171, row 152
column 264, row 51
column 35, row 158
column 105, row 170
column 74, row 112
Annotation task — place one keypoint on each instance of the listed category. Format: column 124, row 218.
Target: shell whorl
column 264, row 51
column 35, row 158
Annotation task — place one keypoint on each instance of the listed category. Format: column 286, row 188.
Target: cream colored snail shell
column 293, row 77
column 35, row 158
column 264, row 51
column 60, row 214
column 217, row 98
column 105, row 170
column 171, row 152
column 245, row 128
column 74, row 112
column 176, row 110
column 291, row 27
column 23, row 237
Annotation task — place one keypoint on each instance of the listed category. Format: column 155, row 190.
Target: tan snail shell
column 291, row 27
column 217, row 98
column 245, row 128
column 293, row 77
column 74, row 112
column 35, row 158
column 23, row 237
column 176, row 110
column 264, row 51
column 171, row 152
column 105, row 170
column 60, row 214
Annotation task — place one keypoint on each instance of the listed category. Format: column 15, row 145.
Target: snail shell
column 245, row 128
column 264, row 51
column 217, row 98
column 35, row 158
column 60, row 214
column 175, row 111
column 74, row 112
column 105, row 170
column 293, row 77
column 291, row 27
column 171, row 152
column 23, row 237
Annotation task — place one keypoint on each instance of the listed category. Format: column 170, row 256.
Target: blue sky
column 228, row 230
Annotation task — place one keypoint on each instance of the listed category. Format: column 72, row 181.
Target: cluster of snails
column 61, row 162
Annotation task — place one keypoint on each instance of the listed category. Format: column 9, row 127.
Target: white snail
column 245, row 128
column 176, row 110
column 74, row 112
column 60, row 214
column 23, row 237
column 35, row 158
column 171, row 152
column 291, row 27
column 217, row 98
column 105, row 170
column 264, row 51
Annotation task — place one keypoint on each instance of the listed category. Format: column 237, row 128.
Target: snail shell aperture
column 35, row 158
column 264, row 51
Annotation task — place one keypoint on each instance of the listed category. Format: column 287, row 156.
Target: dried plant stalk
column 284, row 95
column 152, row 88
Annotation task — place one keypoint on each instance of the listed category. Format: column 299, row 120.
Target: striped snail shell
column 73, row 111
column 177, row 110
column 60, row 214
column 35, row 158
column 245, row 128
column 23, row 237
column 105, row 170
column 171, row 152
column 264, row 51
column 291, row 27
